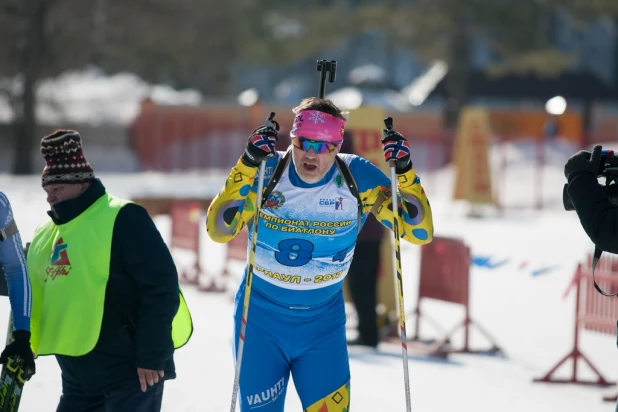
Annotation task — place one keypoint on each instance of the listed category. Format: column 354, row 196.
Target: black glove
column 397, row 148
column 583, row 161
column 261, row 144
column 20, row 350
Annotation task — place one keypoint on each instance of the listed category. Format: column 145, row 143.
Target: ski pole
column 388, row 122
column 245, row 310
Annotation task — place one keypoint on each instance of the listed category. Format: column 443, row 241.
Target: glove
column 20, row 349
column 583, row 161
column 397, row 148
column 261, row 144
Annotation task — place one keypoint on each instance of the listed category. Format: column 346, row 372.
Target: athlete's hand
column 148, row 377
column 396, row 148
column 261, row 143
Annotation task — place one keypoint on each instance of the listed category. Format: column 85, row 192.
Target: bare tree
column 33, row 26
column 187, row 43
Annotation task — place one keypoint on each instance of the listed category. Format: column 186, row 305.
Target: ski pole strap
column 276, row 176
column 351, row 183
column 595, row 260
column 8, row 231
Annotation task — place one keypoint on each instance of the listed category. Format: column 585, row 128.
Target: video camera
column 608, row 168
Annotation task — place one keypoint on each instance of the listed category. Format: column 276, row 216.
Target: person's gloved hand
column 397, row 148
column 20, row 349
column 261, row 144
column 583, row 161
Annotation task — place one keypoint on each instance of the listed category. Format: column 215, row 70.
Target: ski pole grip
column 270, row 122
column 388, row 123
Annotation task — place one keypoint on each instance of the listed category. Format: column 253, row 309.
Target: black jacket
column 598, row 216
column 141, row 299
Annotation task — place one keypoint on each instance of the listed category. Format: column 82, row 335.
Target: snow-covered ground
column 520, row 303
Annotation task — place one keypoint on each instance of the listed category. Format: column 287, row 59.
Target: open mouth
column 310, row 167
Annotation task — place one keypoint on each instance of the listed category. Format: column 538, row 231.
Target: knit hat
column 64, row 159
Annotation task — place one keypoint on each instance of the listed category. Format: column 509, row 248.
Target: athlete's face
column 310, row 166
column 63, row 191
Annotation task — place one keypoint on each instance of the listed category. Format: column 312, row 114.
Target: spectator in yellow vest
column 105, row 301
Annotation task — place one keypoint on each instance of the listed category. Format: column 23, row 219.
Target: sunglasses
column 317, row 146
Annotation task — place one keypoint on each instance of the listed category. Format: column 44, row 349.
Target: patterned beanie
column 64, row 159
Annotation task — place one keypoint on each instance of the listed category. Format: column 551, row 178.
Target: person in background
column 597, row 214
column 363, row 273
column 104, row 290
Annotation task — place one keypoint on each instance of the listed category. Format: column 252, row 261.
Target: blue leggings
column 309, row 343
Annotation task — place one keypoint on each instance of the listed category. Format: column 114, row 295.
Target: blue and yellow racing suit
column 306, row 238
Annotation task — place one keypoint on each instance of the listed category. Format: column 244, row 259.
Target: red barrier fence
column 594, row 312
column 185, row 216
column 186, row 231
column 445, row 276
column 212, row 136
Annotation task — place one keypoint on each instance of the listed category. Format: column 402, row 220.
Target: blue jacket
column 13, row 263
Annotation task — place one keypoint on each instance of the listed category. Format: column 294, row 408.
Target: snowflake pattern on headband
column 324, row 134
column 316, row 117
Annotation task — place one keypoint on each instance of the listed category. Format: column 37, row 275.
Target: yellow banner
column 472, row 142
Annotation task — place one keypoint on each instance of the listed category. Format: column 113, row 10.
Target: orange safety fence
column 593, row 312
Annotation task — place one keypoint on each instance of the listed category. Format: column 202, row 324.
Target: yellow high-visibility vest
column 69, row 268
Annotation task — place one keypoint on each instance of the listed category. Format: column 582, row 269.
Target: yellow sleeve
column 234, row 206
column 415, row 218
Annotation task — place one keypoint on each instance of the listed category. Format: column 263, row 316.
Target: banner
column 472, row 142
column 530, row 124
column 366, row 124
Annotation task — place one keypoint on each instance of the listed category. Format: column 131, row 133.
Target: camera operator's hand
column 583, row 161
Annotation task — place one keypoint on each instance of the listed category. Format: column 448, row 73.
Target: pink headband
column 316, row 125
